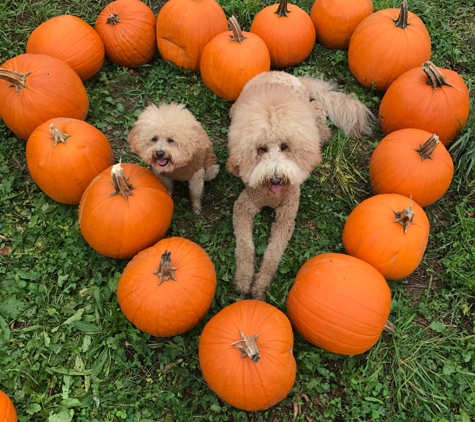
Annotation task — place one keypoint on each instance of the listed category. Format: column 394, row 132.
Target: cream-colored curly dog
column 278, row 125
column 176, row 146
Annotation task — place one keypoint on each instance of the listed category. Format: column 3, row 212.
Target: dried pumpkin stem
column 236, row 29
column 57, row 135
column 248, row 347
column 389, row 327
column 402, row 20
column 405, row 217
column 436, row 79
column 120, row 182
column 113, row 19
column 165, row 270
column 17, row 79
column 282, row 9
column 427, row 148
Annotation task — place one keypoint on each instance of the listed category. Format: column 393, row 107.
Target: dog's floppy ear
column 133, row 138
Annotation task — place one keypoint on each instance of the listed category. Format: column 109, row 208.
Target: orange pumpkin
column 245, row 354
column 287, row 31
column 35, row 88
column 184, row 27
column 64, row 155
column 71, row 39
column 231, row 59
column 124, row 210
column 336, row 20
column 429, row 98
column 7, row 409
column 339, row 303
column 386, row 44
column 166, row 290
column 411, row 162
column 127, row 29
column 388, row 231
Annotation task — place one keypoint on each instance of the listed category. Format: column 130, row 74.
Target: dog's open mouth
column 162, row 161
column 275, row 188
column 275, row 184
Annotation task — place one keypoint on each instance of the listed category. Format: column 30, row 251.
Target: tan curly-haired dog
column 278, row 125
column 175, row 145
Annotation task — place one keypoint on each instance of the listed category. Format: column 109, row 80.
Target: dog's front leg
column 167, row 182
column 196, row 186
column 281, row 232
column 243, row 218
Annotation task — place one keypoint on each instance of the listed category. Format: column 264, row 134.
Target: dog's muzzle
column 162, row 158
column 275, row 184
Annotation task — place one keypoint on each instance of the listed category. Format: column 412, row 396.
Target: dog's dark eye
column 284, row 147
column 155, row 139
column 170, row 140
column 262, row 150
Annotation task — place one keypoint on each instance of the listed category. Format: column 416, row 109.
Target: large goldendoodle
column 278, row 125
column 175, row 145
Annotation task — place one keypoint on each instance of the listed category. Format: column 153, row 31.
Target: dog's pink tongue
column 162, row 161
column 275, row 188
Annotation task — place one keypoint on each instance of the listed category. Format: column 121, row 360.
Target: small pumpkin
column 411, row 162
column 386, row 44
column 35, row 88
column 231, row 59
column 167, row 289
column 388, row 231
column 127, row 29
column 69, row 38
column 7, row 409
column 336, row 20
column 184, row 27
column 124, row 210
column 428, row 98
column 288, row 32
column 64, row 155
column 245, row 355
column 339, row 303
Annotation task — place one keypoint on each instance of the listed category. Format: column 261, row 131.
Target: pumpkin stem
column 120, row 183
column 237, row 33
column 57, row 135
column 405, row 217
column 282, row 9
column 113, row 19
column 426, row 149
column 389, row 327
column 402, row 21
column 17, row 79
column 436, row 79
column 165, row 270
column 248, row 347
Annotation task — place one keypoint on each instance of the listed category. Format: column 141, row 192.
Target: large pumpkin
column 411, row 162
column 288, row 32
column 64, row 155
column 184, row 27
column 336, row 20
column 7, row 409
column 127, row 29
column 35, row 88
column 124, row 210
column 71, row 39
column 386, row 44
column 166, row 290
column 245, row 354
column 388, row 231
column 231, row 59
column 339, row 303
column 429, row 98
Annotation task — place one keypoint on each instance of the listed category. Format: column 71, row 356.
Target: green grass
column 67, row 353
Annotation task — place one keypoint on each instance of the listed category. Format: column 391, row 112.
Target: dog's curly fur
column 175, row 145
column 278, row 125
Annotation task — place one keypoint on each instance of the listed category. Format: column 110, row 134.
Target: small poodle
column 278, row 125
column 175, row 145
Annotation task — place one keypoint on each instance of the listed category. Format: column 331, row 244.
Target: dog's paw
column 242, row 282
column 258, row 294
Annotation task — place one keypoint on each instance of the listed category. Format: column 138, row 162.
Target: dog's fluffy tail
column 346, row 111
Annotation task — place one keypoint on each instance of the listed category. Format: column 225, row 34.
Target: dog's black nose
column 160, row 153
column 275, row 180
